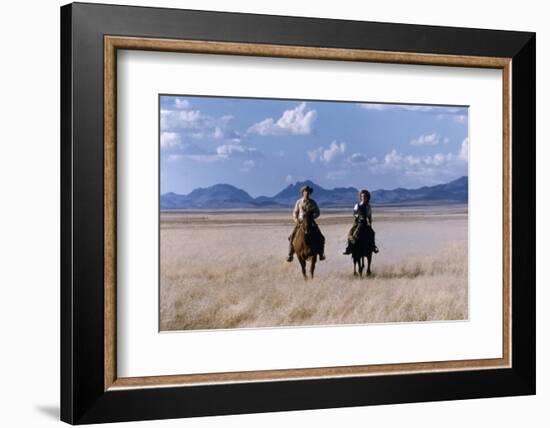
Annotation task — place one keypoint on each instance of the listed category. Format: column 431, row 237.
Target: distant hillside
column 217, row 196
column 225, row 196
column 455, row 191
column 340, row 196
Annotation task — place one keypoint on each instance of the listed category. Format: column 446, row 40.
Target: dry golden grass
column 232, row 276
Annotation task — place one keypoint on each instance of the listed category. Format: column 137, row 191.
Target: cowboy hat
column 306, row 188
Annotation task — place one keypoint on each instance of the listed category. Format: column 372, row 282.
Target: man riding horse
column 363, row 219
column 306, row 206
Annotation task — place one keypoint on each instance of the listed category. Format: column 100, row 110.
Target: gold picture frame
column 114, row 43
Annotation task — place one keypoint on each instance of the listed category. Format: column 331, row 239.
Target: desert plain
column 227, row 269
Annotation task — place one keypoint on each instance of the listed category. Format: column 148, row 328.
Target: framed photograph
column 266, row 213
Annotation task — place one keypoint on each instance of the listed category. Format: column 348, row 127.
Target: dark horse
column 306, row 244
column 362, row 248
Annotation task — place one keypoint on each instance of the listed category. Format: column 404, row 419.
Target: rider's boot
column 290, row 253
column 348, row 249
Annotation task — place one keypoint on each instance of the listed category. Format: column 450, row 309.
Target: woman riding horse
column 363, row 219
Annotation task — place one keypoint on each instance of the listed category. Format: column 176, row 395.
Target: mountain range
column 226, row 196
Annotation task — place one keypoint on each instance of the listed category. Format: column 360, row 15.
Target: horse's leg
column 361, row 266
column 303, row 266
column 369, row 259
column 312, row 266
column 354, row 266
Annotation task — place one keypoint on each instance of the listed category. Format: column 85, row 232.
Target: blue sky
column 262, row 145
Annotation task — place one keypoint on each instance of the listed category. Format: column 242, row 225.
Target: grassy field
column 228, row 270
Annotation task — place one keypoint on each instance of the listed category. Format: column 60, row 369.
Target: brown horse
column 306, row 245
column 361, row 249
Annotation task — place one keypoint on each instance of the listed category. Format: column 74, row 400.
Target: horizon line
column 311, row 181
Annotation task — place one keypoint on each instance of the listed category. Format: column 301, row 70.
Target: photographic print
column 289, row 212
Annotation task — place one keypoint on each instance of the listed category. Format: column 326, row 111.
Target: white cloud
column 314, row 154
column 218, row 133
column 248, row 165
column 180, row 119
column 202, row 158
column 460, row 118
column 192, row 152
column 410, row 107
column 361, row 159
column 170, row 140
column 358, row 158
column 427, row 140
column 333, row 152
column 197, row 125
column 463, row 154
column 298, row 121
column 374, row 106
column 430, row 168
column 181, row 103
column 397, row 160
column 440, row 158
column 227, row 150
column 289, row 179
